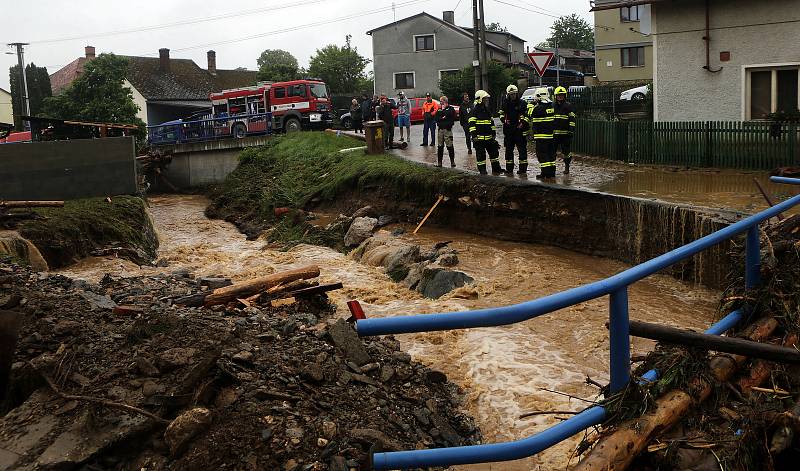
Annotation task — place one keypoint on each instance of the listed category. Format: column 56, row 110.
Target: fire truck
column 294, row 106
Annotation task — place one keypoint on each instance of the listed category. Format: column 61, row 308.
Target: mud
column 500, row 370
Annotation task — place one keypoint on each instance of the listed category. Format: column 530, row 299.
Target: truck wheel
column 291, row 125
column 347, row 123
column 239, row 131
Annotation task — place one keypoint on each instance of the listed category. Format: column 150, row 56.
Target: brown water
column 502, row 370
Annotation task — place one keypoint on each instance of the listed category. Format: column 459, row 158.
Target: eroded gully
column 502, row 370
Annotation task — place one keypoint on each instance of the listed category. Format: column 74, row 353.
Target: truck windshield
column 319, row 90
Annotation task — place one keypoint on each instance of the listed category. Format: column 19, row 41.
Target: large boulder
column 436, row 281
column 360, row 230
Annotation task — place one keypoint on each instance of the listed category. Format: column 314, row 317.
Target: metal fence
column 719, row 144
column 616, row 288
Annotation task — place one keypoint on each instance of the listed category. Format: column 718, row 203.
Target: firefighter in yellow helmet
column 513, row 115
column 541, row 116
column 483, row 133
column 564, row 126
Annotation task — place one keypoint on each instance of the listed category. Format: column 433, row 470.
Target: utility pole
column 484, row 60
column 558, row 64
column 26, row 102
column 476, row 56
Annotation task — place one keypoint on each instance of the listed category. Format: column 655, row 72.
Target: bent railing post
column 752, row 270
column 619, row 340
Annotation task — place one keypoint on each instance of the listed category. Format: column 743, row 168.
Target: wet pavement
column 712, row 188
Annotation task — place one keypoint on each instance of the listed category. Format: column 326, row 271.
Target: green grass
column 294, row 169
column 68, row 233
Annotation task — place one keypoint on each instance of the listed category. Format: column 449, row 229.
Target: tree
column 455, row 84
column 496, row 27
column 97, row 95
column 571, row 32
column 342, row 68
column 277, row 65
column 38, row 89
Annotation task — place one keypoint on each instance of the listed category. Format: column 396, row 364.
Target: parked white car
column 529, row 94
column 635, row 94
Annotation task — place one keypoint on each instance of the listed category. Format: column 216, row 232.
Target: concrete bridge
column 201, row 163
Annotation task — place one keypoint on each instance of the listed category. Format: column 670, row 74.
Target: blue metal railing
column 207, row 129
column 616, row 287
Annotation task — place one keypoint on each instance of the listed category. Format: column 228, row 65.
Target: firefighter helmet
column 560, row 91
column 511, row 89
column 480, row 95
column 542, row 94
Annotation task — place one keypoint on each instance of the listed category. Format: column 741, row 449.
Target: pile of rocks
column 289, row 388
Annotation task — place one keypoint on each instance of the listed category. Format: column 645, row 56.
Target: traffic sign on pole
column 540, row 61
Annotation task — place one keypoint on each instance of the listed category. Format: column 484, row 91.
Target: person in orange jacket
column 429, row 109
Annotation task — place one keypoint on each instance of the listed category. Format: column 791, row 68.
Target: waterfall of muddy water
column 500, row 369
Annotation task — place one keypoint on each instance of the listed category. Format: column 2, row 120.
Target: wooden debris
column 31, row 204
column 617, row 450
column 248, row 288
column 430, row 211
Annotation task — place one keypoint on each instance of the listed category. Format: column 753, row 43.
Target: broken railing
column 616, row 287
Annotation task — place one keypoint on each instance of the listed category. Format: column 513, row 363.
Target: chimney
column 212, row 62
column 89, row 50
column 449, row 17
column 163, row 56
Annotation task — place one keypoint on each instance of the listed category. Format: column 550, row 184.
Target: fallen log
column 717, row 343
column 617, row 450
column 761, row 370
column 312, row 290
column 248, row 288
column 31, row 204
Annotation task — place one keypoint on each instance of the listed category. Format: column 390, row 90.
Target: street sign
column 540, row 61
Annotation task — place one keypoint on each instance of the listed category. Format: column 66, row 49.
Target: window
column 280, row 92
column 319, row 90
column 770, row 90
column 632, row 56
column 297, row 90
column 448, row 73
column 629, row 13
column 425, row 42
column 404, row 80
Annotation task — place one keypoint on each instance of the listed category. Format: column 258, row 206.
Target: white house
column 723, row 60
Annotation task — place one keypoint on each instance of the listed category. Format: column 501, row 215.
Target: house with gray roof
column 165, row 88
column 412, row 54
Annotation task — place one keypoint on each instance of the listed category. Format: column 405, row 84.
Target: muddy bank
column 287, row 388
column 95, row 226
column 307, row 171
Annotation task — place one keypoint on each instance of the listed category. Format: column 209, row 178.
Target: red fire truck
column 295, row 105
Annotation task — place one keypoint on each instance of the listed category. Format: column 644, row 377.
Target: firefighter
column 484, row 133
column 515, row 124
column 541, row 116
column 564, row 126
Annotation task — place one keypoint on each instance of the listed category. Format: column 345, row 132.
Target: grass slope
column 81, row 226
column 294, row 169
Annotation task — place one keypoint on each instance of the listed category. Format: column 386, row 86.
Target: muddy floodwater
column 502, row 370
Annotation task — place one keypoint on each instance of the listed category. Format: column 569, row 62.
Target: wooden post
column 716, row 343
column 430, row 211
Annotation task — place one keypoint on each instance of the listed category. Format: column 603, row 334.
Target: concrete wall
column 202, row 163
column 393, row 51
column 6, row 110
column 68, row 169
column 612, row 34
column 684, row 91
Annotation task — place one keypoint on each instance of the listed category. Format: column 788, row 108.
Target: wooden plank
column 248, row 288
column 31, row 204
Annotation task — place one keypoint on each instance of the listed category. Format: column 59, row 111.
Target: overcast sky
column 59, row 30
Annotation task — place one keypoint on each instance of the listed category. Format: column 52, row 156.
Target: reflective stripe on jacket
column 481, row 124
column 542, row 120
column 564, row 118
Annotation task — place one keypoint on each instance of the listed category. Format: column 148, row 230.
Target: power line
column 527, row 9
column 179, row 23
column 299, row 27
